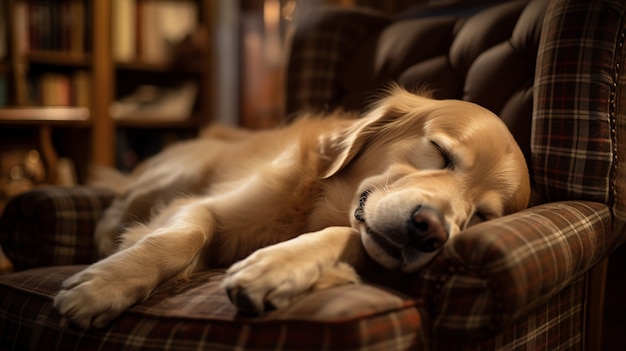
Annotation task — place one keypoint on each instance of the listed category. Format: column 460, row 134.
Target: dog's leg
column 95, row 296
column 275, row 275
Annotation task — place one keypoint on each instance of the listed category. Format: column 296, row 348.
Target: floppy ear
column 338, row 148
column 394, row 113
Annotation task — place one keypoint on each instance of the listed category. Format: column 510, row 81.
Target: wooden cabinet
column 62, row 75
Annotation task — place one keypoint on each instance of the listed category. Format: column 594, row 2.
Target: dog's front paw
column 272, row 277
column 92, row 298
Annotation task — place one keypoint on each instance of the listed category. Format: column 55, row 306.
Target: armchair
column 554, row 73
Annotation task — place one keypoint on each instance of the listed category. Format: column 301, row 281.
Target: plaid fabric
column 555, row 325
column 494, row 273
column 457, row 284
column 52, row 226
column 322, row 42
column 197, row 315
column 483, row 283
column 573, row 142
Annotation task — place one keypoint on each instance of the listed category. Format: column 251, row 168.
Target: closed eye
column 477, row 217
column 481, row 216
column 447, row 159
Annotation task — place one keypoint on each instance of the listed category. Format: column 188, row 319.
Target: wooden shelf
column 156, row 67
column 32, row 73
column 78, row 116
column 59, row 58
column 156, row 124
column 144, row 66
column 42, row 120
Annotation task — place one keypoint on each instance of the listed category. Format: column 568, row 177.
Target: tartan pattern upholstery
column 326, row 37
column 196, row 314
column 465, row 294
column 515, row 283
column 575, row 91
column 52, row 226
column 538, row 330
column 496, row 272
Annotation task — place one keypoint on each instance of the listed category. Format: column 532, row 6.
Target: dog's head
column 434, row 167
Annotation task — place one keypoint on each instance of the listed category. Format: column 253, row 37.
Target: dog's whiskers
column 329, row 205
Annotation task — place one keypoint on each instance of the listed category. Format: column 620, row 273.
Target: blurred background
column 111, row 82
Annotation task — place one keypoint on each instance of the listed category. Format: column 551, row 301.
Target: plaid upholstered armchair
column 554, row 73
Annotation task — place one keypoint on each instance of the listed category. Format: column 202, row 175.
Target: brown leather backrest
column 487, row 57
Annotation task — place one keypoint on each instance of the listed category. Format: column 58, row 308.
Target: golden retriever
column 295, row 209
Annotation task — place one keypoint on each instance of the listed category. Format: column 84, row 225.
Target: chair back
column 552, row 70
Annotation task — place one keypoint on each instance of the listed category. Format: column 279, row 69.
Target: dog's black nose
column 426, row 230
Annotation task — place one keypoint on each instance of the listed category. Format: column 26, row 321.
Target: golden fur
column 294, row 209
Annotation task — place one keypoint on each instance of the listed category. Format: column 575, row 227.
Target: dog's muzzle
column 411, row 243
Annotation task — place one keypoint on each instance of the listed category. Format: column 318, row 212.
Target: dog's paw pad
column 243, row 302
column 246, row 305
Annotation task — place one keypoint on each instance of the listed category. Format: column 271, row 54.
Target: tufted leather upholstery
column 484, row 55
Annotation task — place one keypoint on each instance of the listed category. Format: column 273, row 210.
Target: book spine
column 123, row 30
column 4, row 93
column 21, row 15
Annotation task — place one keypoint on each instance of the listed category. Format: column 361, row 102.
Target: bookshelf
column 62, row 70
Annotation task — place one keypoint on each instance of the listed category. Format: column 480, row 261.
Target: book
column 4, row 98
column 52, row 25
column 74, row 29
column 3, row 33
column 20, row 15
column 152, row 45
column 60, row 89
column 80, row 89
column 123, row 30
column 146, row 30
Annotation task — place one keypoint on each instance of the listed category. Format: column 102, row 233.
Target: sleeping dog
column 299, row 208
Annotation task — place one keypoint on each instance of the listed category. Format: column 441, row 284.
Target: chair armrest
column 492, row 273
column 52, row 226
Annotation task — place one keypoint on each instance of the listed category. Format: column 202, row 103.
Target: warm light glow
column 271, row 20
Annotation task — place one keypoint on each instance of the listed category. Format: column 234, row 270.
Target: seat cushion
column 53, row 225
column 196, row 314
